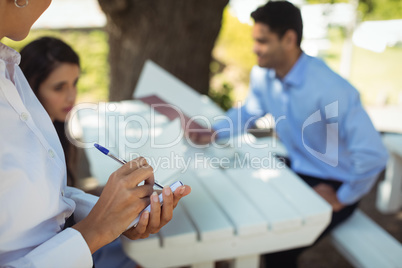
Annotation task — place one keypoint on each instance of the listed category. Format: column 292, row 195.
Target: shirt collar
column 295, row 76
column 9, row 55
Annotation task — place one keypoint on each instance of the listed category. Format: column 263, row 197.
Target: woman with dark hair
column 52, row 69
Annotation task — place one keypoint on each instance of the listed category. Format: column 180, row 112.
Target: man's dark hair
column 280, row 16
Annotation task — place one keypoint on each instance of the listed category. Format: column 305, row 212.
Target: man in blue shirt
column 331, row 142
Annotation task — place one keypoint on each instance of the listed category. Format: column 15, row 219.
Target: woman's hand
column 151, row 223
column 121, row 202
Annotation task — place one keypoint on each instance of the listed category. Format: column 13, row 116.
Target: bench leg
column 389, row 191
column 246, row 262
column 203, row 265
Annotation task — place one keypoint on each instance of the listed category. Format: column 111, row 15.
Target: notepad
column 173, row 187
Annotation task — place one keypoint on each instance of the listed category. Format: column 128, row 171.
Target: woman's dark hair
column 280, row 16
column 38, row 60
column 42, row 56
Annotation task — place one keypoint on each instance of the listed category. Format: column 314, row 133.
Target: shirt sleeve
column 84, row 202
column 368, row 154
column 58, row 252
column 238, row 120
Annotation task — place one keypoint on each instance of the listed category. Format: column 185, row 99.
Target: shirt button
column 24, row 116
column 51, row 153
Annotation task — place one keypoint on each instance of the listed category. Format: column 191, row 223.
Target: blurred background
column 208, row 45
column 362, row 40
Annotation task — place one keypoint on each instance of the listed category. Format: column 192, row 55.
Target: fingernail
column 155, row 197
column 166, row 190
column 181, row 190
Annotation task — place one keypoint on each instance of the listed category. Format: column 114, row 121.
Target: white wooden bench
column 365, row 244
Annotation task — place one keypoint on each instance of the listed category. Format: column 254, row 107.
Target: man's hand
column 201, row 136
column 329, row 194
column 120, row 203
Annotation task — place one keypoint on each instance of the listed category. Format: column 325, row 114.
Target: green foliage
column 233, row 49
column 235, row 43
column 326, row 1
column 222, row 96
column 92, row 48
column 375, row 75
column 372, row 9
column 381, row 9
column 372, row 73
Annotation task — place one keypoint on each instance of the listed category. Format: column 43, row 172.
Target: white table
column 237, row 212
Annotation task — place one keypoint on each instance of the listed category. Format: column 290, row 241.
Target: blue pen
column 121, row 161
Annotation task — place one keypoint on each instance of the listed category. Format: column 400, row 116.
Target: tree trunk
column 178, row 35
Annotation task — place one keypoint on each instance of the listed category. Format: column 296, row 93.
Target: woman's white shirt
column 34, row 198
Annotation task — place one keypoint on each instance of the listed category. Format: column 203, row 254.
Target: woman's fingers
column 142, row 191
column 144, row 173
column 150, row 180
column 180, row 192
column 133, row 165
column 140, row 231
column 167, row 208
column 159, row 215
column 155, row 215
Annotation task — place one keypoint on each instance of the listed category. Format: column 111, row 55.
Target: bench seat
column 365, row 244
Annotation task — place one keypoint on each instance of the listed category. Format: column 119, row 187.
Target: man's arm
column 368, row 154
column 237, row 120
